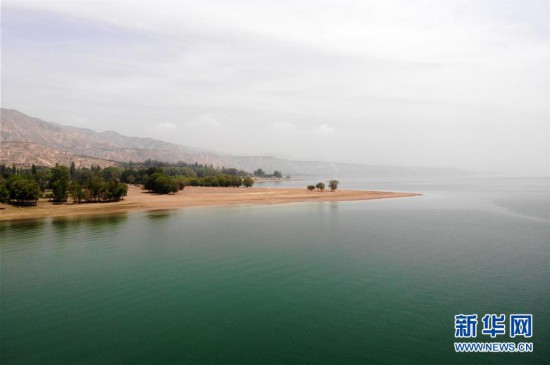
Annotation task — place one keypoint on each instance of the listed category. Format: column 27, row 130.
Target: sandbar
column 139, row 200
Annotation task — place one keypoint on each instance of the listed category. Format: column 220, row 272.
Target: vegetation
column 332, row 184
column 21, row 186
column 4, row 193
column 161, row 183
column 183, row 174
column 248, row 182
column 276, row 174
column 22, row 190
column 25, row 185
column 59, row 183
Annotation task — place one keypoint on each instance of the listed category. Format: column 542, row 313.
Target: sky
column 462, row 84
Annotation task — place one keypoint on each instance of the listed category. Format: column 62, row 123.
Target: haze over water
column 347, row 282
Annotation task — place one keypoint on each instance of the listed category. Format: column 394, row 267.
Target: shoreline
column 139, row 200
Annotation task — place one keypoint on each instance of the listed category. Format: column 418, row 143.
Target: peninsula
column 139, row 200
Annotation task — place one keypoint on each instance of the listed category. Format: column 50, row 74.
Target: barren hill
column 25, row 140
column 27, row 153
column 59, row 142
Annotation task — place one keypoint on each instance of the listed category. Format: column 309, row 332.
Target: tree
column 311, row 187
column 60, row 183
column 115, row 190
column 278, row 174
column 97, row 188
column 320, row 186
column 333, row 184
column 161, row 184
column 236, row 181
column 84, row 177
column 259, row 173
column 77, row 192
column 131, row 179
column 248, row 182
column 180, row 180
column 4, row 193
column 129, row 176
column 72, row 170
column 23, row 190
column 111, row 172
column 43, row 178
column 222, row 180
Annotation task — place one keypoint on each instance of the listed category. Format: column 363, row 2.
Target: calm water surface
column 343, row 283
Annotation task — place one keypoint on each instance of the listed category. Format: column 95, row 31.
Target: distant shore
column 139, row 200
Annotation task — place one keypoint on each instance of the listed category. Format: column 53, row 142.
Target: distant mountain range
column 25, row 140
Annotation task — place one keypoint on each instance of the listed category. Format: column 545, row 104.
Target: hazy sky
column 429, row 83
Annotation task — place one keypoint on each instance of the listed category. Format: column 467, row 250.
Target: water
column 347, row 282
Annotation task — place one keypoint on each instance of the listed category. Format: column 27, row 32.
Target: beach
column 140, row 200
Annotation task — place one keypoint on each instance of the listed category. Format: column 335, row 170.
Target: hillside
column 59, row 142
column 25, row 140
column 27, row 153
column 109, row 145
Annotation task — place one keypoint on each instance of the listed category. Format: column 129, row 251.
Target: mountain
column 27, row 153
column 25, row 140
column 104, row 147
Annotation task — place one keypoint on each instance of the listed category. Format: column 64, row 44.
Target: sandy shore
column 138, row 200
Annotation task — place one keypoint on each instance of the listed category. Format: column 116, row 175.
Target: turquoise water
column 340, row 283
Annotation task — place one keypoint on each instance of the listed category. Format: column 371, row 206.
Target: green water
column 339, row 283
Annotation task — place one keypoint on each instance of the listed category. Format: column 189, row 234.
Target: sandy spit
column 138, row 200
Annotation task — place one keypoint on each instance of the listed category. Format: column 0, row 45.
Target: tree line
column 170, row 178
column 24, row 186
column 262, row 174
column 58, row 184
column 332, row 184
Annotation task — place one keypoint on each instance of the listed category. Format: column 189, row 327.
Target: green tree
column 236, row 181
column 180, row 180
column 84, row 176
column 320, row 186
column 60, row 183
column 77, row 192
column 195, row 181
column 223, row 180
column 97, row 188
column 333, row 184
column 115, row 190
column 248, row 182
column 111, row 172
column 4, row 193
column 311, row 187
column 259, row 173
column 131, row 179
column 43, row 178
column 278, row 174
column 129, row 176
column 161, row 183
column 72, row 170
column 23, row 190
